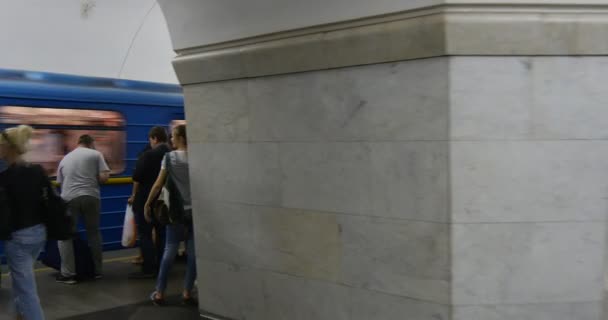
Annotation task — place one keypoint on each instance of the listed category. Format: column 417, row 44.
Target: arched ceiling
column 107, row 38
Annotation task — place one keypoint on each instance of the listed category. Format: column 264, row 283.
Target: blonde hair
column 18, row 138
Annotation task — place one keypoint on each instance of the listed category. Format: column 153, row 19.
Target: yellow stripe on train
column 111, row 181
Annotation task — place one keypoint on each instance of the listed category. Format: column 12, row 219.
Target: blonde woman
column 23, row 185
column 175, row 167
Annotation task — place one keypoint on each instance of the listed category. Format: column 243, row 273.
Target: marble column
column 528, row 187
column 444, row 162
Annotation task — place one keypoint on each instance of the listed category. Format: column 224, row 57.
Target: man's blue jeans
column 174, row 234
column 21, row 253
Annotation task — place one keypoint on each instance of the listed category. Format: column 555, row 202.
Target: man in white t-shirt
column 80, row 173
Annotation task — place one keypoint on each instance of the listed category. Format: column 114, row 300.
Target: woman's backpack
column 58, row 222
column 169, row 207
column 5, row 215
column 53, row 209
column 176, row 202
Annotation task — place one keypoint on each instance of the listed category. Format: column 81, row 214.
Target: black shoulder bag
column 5, row 205
column 5, row 215
column 58, row 222
column 177, row 214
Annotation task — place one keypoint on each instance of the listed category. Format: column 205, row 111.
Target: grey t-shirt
column 179, row 174
column 78, row 173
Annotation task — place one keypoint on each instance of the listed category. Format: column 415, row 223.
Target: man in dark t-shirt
column 146, row 171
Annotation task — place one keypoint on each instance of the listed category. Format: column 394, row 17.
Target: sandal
column 137, row 261
column 156, row 300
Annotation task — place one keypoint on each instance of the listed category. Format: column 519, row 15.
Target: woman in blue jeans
column 175, row 164
column 23, row 230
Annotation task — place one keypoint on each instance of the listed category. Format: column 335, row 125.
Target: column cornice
column 455, row 28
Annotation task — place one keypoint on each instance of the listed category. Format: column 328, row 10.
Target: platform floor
column 113, row 297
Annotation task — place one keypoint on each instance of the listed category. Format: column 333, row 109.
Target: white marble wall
column 324, row 195
column 463, row 188
column 529, row 187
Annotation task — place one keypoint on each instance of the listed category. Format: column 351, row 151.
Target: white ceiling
column 107, row 38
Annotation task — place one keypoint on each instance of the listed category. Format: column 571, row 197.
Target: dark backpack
column 83, row 259
column 5, row 215
column 177, row 213
column 58, row 222
column 54, row 210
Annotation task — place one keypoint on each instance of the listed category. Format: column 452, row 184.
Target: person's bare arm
column 103, row 176
column 134, row 192
column 104, row 170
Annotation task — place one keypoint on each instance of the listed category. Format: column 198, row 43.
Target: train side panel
column 139, row 116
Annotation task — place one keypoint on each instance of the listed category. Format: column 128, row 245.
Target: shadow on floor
column 143, row 311
column 115, row 297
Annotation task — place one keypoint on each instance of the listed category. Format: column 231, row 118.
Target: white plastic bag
column 129, row 229
column 164, row 196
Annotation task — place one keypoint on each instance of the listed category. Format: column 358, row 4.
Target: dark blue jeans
column 175, row 234
column 151, row 252
column 21, row 252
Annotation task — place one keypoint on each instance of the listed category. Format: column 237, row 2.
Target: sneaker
column 66, row 280
column 138, row 261
column 98, row 276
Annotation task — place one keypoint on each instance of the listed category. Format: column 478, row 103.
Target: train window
column 57, row 131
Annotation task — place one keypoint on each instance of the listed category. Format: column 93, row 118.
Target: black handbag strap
column 168, row 168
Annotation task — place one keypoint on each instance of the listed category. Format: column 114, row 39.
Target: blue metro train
column 118, row 113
